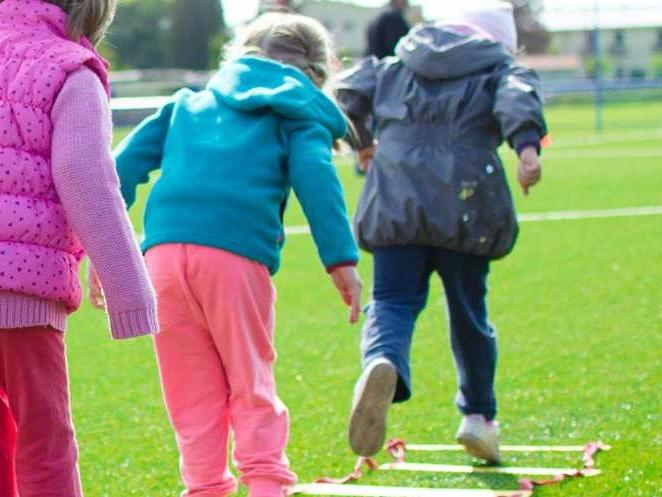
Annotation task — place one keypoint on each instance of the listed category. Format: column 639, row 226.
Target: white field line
column 375, row 491
column 503, row 448
column 138, row 103
column 573, row 153
column 536, row 217
column 619, row 153
column 297, row 230
column 621, row 137
column 507, row 470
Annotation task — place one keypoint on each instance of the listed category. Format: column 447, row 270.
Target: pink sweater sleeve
column 88, row 187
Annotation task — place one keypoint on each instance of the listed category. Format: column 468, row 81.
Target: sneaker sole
column 367, row 424
column 475, row 447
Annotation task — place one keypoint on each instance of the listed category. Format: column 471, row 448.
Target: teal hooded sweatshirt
column 229, row 156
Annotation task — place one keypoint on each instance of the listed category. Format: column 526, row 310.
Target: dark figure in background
column 386, row 30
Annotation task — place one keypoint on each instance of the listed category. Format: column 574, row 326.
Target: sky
column 558, row 12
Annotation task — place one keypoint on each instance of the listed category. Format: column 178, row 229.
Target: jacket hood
column 435, row 52
column 252, row 83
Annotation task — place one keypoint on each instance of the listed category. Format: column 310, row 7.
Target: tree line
column 190, row 34
column 187, row 34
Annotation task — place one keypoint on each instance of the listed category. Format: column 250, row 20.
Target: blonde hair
column 292, row 39
column 89, row 18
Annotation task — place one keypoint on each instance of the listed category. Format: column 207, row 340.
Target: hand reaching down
column 94, row 290
column 347, row 281
column 529, row 171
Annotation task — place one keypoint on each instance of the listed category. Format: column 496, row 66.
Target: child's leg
column 399, row 293
column 192, row 378
column 238, row 299
column 472, row 337
column 38, row 393
column 7, row 442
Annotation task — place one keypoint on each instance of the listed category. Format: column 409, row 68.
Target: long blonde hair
column 89, row 18
column 292, row 39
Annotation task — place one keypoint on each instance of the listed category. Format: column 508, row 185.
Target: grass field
column 578, row 307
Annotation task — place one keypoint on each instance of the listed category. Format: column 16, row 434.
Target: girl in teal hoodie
column 229, row 156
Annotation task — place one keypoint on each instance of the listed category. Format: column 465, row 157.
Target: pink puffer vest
column 39, row 252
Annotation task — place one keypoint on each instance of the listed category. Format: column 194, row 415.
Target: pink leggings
column 37, row 443
column 216, row 356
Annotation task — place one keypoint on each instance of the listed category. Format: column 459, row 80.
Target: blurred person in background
column 385, row 31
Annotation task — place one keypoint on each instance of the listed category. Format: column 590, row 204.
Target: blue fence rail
column 128, row 111
column 553, row 88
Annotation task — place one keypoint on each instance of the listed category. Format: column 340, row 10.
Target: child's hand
column 529, row 171
column 365, row 157
column 349, row 286
column 95, row 292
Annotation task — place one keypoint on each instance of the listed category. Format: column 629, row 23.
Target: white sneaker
column 480, row 437
column 373, row 394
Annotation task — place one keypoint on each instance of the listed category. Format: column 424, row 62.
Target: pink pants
column 36, row 437
column 216, row 356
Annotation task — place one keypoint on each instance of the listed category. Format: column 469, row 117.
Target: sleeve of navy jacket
column 355, row 88
column 518, row 105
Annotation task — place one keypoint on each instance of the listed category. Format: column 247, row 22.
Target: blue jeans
column 400, row 290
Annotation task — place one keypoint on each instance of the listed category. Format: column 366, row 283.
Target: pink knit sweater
column 87, row 185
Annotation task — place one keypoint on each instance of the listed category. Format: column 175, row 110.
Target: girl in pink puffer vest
column 59, row 199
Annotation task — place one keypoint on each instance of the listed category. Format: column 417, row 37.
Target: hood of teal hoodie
column 251, row 84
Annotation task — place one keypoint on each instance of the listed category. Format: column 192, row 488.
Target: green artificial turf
column 578, row 310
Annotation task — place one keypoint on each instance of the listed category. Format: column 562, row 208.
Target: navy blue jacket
column 441, row 110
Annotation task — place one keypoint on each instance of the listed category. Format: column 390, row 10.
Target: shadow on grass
column 496, row 481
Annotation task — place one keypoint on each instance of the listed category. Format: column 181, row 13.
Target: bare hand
column 529, row 171
column 365, row 157
column 95, row 292
column 346, row 279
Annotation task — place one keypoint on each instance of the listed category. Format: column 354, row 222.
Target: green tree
column 137, row 38
column 194, row 37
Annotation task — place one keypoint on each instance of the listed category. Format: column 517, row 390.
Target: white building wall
column 634, row 57
column 346, row 22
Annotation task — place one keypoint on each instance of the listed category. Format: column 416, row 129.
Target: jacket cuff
column 527, row 137
column 131, row 324
column 332, row 268
column 359, row 137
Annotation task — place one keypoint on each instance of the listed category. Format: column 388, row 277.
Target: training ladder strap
column 396, row 449
column 590, row 450
column 356, row 474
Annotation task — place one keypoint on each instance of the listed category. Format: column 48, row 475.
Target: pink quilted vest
column 39, row 252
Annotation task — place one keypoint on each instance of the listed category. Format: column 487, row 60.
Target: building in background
column 348, row 22
column 630, row 39
column 626, row 51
